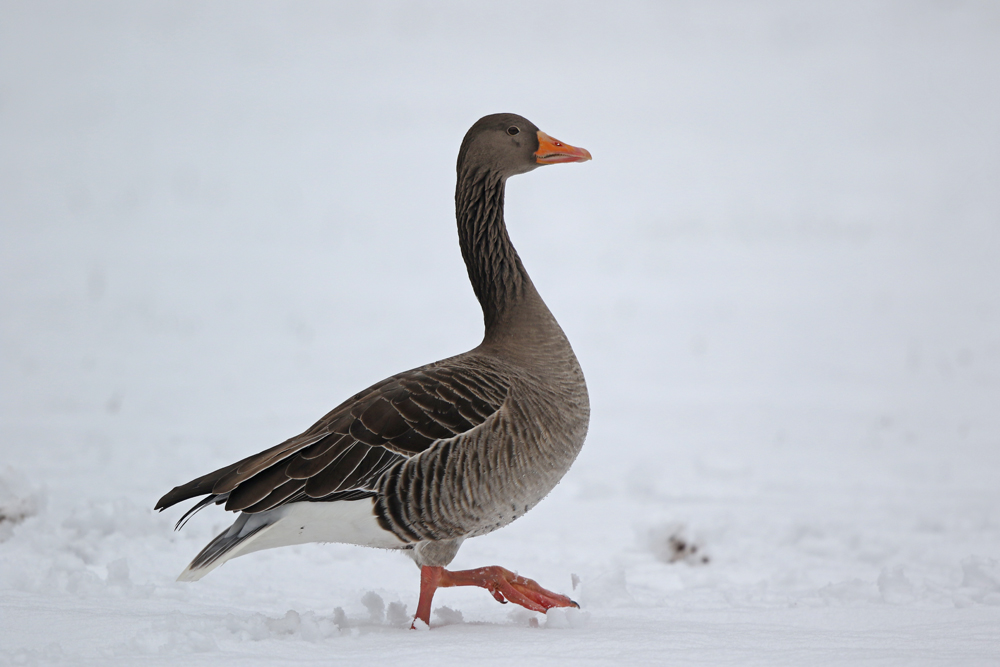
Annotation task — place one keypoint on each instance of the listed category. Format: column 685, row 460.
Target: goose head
column 508, row 144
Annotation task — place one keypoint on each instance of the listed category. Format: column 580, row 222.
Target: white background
column 780, row 274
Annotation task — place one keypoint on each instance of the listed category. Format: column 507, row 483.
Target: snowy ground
column 779, row 272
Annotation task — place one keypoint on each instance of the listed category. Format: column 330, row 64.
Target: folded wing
column 344, row 454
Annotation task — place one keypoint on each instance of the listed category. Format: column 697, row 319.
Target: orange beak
column 553, row 151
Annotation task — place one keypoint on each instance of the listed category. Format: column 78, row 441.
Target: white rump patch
column 343, row 521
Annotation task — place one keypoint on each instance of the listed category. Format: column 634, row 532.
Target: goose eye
column 512, row 130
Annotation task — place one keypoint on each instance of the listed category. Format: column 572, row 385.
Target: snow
column 779, row 273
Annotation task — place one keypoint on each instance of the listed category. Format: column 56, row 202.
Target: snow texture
column 780, row 273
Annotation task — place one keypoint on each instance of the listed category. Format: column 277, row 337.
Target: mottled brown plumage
column 450, row 450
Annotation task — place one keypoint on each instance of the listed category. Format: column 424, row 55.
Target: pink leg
column 503, row 584
column 430, row 579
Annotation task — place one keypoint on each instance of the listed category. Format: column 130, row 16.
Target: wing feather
column 328, row 480
column 344, row 454
column 301, row 467
column 277, row 496
column 245, row 495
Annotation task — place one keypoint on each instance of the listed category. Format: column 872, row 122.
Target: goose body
column 443, row 452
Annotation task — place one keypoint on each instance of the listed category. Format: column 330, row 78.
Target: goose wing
column 342, row 456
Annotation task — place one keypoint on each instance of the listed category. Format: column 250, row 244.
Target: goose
column 427, row 458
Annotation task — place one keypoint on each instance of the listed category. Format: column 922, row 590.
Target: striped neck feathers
column 498, row 278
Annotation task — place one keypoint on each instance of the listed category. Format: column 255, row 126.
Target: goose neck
column 495, row 270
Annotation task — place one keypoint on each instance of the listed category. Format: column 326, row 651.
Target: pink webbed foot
column 503, row 585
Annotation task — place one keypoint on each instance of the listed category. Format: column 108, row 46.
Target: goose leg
column 502, row 584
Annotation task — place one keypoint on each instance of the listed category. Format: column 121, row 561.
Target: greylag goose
column 454, row 449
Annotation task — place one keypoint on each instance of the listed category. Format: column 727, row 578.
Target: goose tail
column 230, row 543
